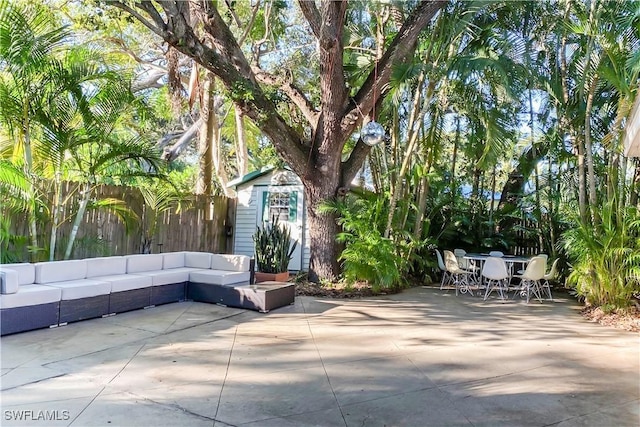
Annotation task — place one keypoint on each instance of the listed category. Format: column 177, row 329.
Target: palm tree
column 28, row 44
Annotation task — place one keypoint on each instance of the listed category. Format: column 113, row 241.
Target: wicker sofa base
column 74, row 310
column 133, row 299
column 22, row 319
column 166, row 294
column 261, row 297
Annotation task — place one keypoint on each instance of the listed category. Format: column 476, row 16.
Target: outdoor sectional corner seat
column 54, row 293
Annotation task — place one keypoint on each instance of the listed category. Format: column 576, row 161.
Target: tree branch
column 401, row 47
column 312, row 16
column 157, row 29
column 227, row 61
column 294, row 93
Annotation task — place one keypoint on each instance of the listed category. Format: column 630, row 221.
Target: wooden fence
column 198, row 225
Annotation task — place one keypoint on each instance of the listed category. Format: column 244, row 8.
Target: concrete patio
column 421, row 358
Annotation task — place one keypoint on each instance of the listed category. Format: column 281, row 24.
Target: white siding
column 306, row 253
column 246, row 214
column 245, row 224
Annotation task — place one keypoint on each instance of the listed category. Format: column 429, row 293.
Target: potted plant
column 273, row 252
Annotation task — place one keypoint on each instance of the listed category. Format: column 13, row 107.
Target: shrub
column 606, row 257
column 273, row 247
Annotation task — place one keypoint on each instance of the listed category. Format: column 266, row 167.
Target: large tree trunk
column 323, row 228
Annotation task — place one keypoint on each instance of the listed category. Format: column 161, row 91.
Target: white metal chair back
column 446, row 276
column 451, row 262
column 440, row 261
column 545, row 256
column 550, row 276
column 553, row 272
column 459, row 277
column 495, row 269
column 536, row 269
column 463, row 263
column 459, row 252
column 497, row 276
column 531, row 277
column 497, row 254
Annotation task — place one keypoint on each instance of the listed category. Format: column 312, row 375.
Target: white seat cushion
column 60, row 271
column 29, row 295
column 168, row 277
column 172, row 260
column 26, row 272
column 230, row 262
column 126, row 282
column 84, row 288
column 108, row 265
column 219, row 277
column 197, row 259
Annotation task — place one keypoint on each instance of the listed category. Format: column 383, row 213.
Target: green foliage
column 606, row 257
column 13, row 247
column 273, row 247
column 368, row 255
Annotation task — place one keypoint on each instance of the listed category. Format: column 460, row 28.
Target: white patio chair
column 546, row 259
column 530, row 279
column 446, row 276
column 551, row 275
column 497, row 254
column 459, row 276
column 464, row 263
column 496, row 276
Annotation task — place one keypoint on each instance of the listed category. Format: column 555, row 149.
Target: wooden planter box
column 271, row 277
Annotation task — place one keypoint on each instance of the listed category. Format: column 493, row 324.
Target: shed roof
column 250, row 176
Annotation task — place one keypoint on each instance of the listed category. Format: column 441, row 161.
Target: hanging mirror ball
column 372, row 133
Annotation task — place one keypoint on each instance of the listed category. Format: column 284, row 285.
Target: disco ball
column 372, row 133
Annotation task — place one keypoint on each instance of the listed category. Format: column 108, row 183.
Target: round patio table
column 480, row 258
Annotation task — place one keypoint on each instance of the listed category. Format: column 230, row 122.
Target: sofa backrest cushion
column 26, row 272
column 172, row 260
column 143, row 262
column 230, row 262
column 197, row 259
column 60, row 271
column 8, row 281
column 106, row 266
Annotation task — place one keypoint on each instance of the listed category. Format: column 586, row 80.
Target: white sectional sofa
column 55, row 293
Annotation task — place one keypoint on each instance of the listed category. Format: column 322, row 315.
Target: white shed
column 263, row 194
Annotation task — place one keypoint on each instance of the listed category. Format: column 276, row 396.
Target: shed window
column 281, row 205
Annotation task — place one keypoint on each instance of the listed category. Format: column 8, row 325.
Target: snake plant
column 274, row 247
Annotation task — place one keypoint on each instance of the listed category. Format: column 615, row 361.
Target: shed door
column 285, row 203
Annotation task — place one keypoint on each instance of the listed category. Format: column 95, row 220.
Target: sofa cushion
column 126, row 282
column 9, row 281
column 172, row 260
column 168, row 277
column 60, row 271
column 108, row 265
column 230, row 262
column 197, row 259
column 26, row 272
column 219, row 277
column 85, row 288
column 143, row 262
column 29, row 295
